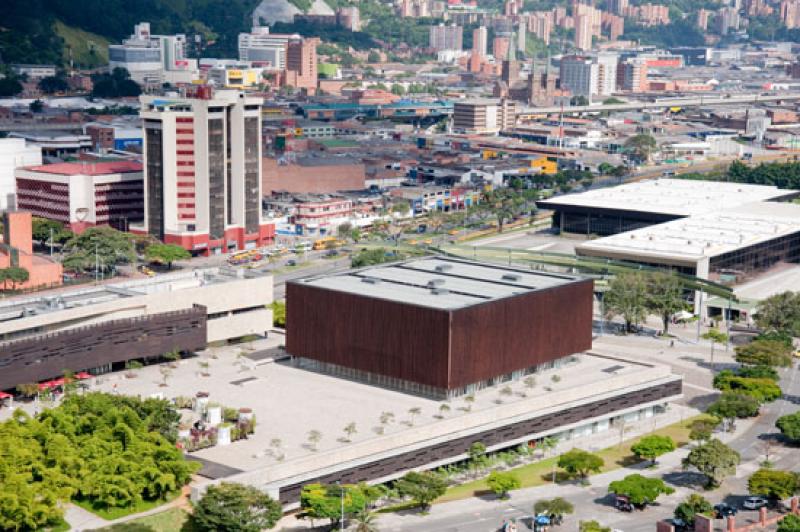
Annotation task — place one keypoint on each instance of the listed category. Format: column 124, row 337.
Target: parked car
column 754, row 503
column 291, row 262
column 723, row 510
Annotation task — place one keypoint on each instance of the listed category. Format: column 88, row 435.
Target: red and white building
column 202, row 171
column 83, row 194
column 323, row 216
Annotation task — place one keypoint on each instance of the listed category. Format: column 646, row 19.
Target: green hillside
column 88, row 50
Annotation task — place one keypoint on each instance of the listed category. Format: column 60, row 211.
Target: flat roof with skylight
column 441, row 283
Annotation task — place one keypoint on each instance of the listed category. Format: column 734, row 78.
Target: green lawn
column 541, row 472
column 110, row 514
column 172, row 520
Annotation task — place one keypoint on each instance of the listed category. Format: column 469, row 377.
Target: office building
column 446, row 314
column 202, row 171
column 262, row 48
column 479, row 41
column 483, row 116
column 153, row 59
column 14, row 153
column 99, row 328
column 81, row 195
column 235, row 77
column 445, row 37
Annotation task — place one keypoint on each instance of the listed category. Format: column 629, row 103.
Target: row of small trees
column 634, row 295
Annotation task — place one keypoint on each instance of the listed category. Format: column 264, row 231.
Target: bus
column 245, row 257
column 327, row 242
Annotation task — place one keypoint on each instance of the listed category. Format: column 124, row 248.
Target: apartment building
column 583, row 33
column 301, row 63
column 445, row 37
column 480, row 37
column 202, row 171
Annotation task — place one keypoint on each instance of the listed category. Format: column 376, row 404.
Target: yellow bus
column 327, row 242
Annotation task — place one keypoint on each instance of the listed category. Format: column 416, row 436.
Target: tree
column 373, row 57
column 42, row 228
column 414, row 411
column 103, row 244
column 14, row 274
column 10, row 87
column 653, row 446
column 237, row 508
column 780, row 312
column 639, row 489
column 501, row 483
column 365, row 521
column 641, row 146
column 504, row 204
column 349, row 430
column 555, row 509
column 730, row 406
column 279, row 314
column 53, row 84
column 373, row 256
column 592, row 526
column 314, row 437
column 702, row 429
column 773, row 484
column 28, row 389
column 664, row 296
column 421, row 487
column 579, row 100
column 693, row 505
column 715, row 337
column 713, row 459
column 764, row 353
column 166, row 254
column 579, row 462
column 627, row 297
column 789, row 426
column 758, row 372
column 36, row 106
column 789, row 523
column 116, row 84
column 344, row 229
column 325, row 501
column 166, row 373
column 764, row 390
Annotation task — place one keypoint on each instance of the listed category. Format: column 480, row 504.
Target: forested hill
column 28, row 27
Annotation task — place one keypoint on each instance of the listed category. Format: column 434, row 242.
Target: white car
column 754, row 503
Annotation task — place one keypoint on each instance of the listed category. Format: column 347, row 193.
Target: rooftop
column 678, row 197
column 440, row 283
column 101, row 168
column 707, row 235
column 54, row 301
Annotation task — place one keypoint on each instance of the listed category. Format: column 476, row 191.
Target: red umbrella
column 4, row 395
column 57, row 382
column 45, row 385
column 83, row 375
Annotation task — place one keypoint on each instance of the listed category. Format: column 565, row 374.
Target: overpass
column 660, row 103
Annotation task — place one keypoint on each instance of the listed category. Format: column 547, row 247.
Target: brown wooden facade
column 45, row 356
column 445, row 349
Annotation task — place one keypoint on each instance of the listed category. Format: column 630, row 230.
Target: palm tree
column 415, row 411
column 365, row 521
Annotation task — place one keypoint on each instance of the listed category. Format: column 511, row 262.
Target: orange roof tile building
column 17, row 251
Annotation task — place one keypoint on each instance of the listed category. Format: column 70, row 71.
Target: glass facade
column 154, row 145
column 758, row 257
column 604, row 224
column 252, row 203
column 216, row 178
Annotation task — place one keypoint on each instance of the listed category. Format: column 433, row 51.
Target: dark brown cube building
column 435, row 326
